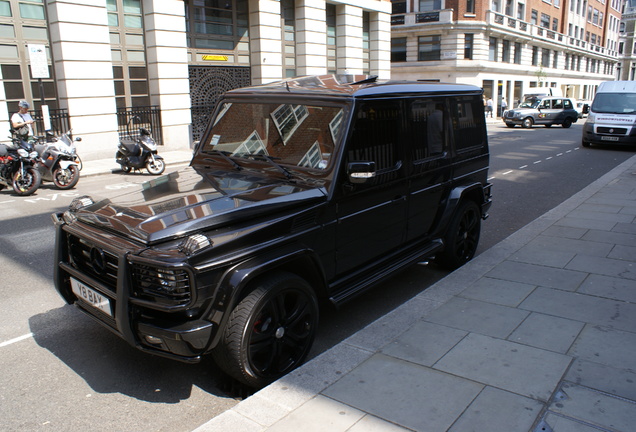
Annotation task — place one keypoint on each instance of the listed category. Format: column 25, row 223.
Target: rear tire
column 270, row 332
column 27, row 184
column 462, row 237
column 567, row 123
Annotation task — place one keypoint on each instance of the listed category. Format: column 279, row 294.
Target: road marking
column 536, row 162
column 507, row 172
column 548, row 158
column 14, row 340
column 524, row 166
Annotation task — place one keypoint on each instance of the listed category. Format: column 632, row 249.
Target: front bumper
column 162, row 333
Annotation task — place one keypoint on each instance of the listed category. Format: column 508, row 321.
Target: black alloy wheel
column 270, row 332
column 462, row 237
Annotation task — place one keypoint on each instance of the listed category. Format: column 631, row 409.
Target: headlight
column 33, row 155
column 23, row 153
column 80, row 202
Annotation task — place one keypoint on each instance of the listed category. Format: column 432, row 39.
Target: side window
column 545, row 104
column 468, row 122
column 557, row 104
column 375, row 138
column 567, row 103
column 429, row 127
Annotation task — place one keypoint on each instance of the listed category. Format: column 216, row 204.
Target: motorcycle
column 18, row 167
column 139, row 153
column 59, row 160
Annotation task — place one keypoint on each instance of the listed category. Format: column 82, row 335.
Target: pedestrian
column 489, row 107
column 22, row 121
column 504, row 105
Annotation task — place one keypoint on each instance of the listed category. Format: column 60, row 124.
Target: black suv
column 307, row 189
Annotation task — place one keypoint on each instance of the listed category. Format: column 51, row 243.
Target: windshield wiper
column 225, row 155
column 270, row 160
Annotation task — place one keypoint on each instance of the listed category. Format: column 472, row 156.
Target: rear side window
column 468, row 122
column 429, row 121
column 567, row 103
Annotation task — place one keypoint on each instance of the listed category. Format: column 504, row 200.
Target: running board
column 399, row 263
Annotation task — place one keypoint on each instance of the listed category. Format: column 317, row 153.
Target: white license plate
column 91, row 296
column 608, row 138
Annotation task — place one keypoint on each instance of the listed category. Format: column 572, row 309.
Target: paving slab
column 510, row 366
column 498, row 410
column 572, row 245
column 614, row 238
column 556, row 423
column 538, row 275
column 477, row 316
column 595, row 408
column 607, row 346
column 609, row 287
column 497, row 291
column 547, row 332
column 581, row 307
column 318, row 415
column 412, row 396
column 619, row 382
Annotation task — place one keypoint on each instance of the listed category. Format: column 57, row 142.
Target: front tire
column 567, row 123
column 270, row 332
column 155, row 167
column 462, row 236
column 527, row 122
column 510, row 125
column 66, row 178
column 27, row 183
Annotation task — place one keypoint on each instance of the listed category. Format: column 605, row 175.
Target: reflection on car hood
column 188, row 200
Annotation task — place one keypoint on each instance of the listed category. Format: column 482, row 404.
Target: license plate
column 92, row 297
column 609, row 138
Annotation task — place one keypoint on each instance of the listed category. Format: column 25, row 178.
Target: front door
column 372, row 216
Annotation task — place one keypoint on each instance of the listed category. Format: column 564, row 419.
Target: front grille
column 611, row 130
column 165, row 286
column 93, row 261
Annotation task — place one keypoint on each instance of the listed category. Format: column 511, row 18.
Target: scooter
column 140, row 153
column 17, row 167
column 58, row 160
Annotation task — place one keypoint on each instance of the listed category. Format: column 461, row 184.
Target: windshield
column 290, row 134
column 530, row 103
column 614, row 103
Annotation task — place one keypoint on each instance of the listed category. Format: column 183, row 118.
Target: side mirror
column 77, row 139
column 361, row 172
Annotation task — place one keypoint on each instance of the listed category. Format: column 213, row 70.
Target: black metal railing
column 130, row 119
column 60, row 121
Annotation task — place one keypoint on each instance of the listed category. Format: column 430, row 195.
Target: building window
column 567, row 62
column 555, row 24
column 535, row 56
column 398, row 49
column 545, row 20
column 470, row 6
column 492, row 49
column 288, row 18
column 555, row 60
column 332, row 58
column 545, row 57
column 496, row 5
column 517, row 59
column 509, row 7
column 430, row 5
column 429, row 48
column 398, row 6
column 468, row 46
column 505, row 51
column 534, row 17
column 521, row 11
column 366, row 30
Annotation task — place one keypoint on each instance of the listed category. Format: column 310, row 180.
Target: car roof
column 353, row 86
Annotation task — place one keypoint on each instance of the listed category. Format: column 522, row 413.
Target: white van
column 612, row 116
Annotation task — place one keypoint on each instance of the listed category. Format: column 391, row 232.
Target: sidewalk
column 538, row 333
column 105, row 166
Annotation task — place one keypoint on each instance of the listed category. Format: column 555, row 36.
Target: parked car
column 307, row 189
column 545, row 111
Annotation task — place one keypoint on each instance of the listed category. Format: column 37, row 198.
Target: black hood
column 189, row 200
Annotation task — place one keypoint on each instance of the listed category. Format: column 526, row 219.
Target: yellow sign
column 209, row 57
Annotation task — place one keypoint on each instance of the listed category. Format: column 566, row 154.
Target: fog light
column 154, row 340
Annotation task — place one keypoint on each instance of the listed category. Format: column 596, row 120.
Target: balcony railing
column 531, row 30
column 443, row 16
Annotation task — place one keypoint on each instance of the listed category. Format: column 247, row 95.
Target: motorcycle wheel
column 28, row 183
column 155, row 168
column 66, row 178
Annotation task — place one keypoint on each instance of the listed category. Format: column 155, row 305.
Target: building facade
column 508, row 47
column 100, row 60
column 626, row 70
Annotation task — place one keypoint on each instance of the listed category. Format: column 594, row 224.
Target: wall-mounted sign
column 210, row 57
column 39, row 63
column 449, row 55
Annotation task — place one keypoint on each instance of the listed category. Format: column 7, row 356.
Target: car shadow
column 109, row 365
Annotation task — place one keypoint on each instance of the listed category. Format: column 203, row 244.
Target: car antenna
column 287, row 85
